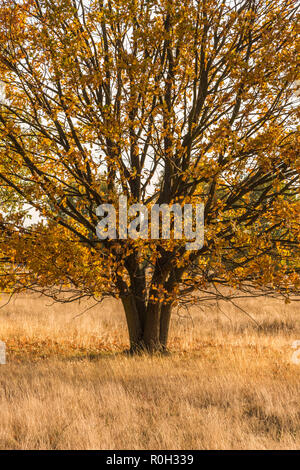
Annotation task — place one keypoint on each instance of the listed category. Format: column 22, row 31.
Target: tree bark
column 165, row 317
column 151, row 336
column 133, row 323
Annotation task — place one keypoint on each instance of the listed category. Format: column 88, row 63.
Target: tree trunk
column 148, row 330
column 133, row 323
column 165, row 317
column 151, row 336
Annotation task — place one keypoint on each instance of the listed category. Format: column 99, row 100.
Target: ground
column 227, row 384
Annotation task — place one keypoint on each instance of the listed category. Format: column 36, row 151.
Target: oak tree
column 165, row 101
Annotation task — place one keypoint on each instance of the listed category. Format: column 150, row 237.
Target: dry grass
column 227, row 385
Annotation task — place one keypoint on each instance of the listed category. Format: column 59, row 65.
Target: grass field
column 227, row 384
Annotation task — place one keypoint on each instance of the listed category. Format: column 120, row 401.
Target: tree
column 158, row 100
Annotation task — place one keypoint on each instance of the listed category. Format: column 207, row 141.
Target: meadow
column 227, row 384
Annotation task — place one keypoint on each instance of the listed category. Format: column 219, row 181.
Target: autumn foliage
column 161, row 101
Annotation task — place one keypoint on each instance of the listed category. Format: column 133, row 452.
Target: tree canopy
column 160, row 101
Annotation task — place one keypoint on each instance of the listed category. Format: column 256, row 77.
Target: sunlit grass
column 228, row 384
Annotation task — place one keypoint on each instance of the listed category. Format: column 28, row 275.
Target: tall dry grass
column 227, row 385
